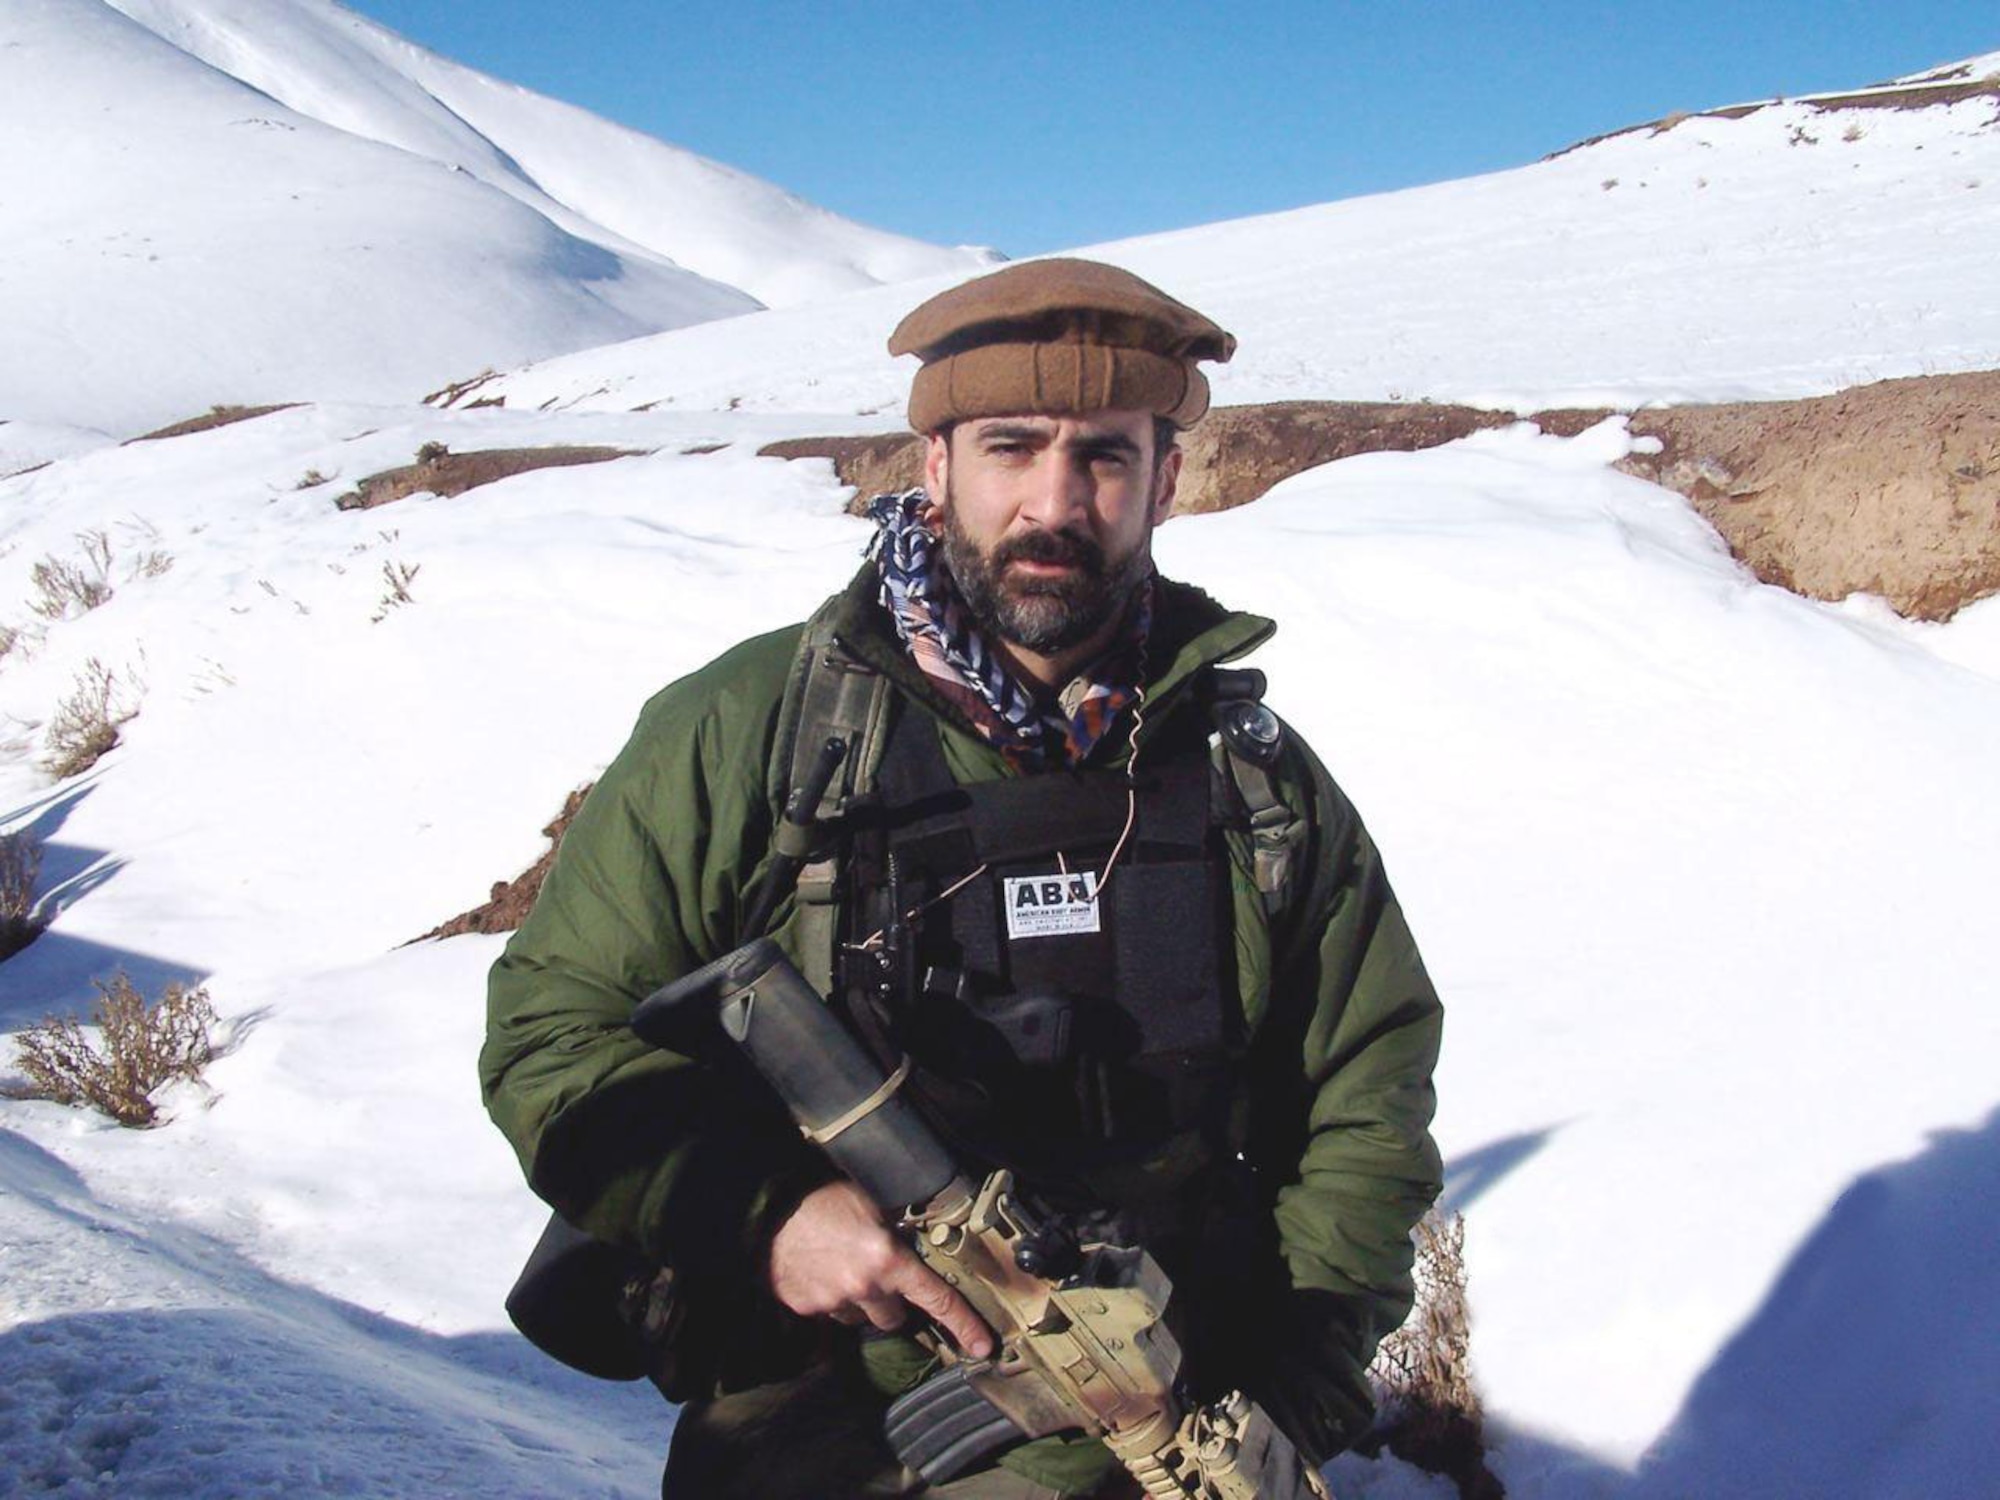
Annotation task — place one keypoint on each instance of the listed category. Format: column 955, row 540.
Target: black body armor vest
column 1053, row 1029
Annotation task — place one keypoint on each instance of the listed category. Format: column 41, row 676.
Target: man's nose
column 1058, row 492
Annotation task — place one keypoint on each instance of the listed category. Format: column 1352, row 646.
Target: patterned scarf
column 946, row 642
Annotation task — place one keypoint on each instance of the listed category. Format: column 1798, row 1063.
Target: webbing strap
column 1276, row 832
column 836, row 696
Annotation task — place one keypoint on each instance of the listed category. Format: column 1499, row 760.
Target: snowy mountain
column 222, row 201
column 1785, row 249
column 1702, row 868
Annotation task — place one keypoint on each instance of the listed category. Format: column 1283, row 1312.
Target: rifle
column 1081, row 1341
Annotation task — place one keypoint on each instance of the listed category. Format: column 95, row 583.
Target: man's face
column 1047, row 521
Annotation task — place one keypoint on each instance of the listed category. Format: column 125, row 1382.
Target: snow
column 1760, row 258
column 1637, row 807
column 1983, row 66
column 337, row 67
column 1700, row 867
column 258, row 200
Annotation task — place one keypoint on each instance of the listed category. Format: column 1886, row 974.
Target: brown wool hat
column 1061, row 337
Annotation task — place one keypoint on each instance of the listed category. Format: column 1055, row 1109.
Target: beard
column 1045, row 615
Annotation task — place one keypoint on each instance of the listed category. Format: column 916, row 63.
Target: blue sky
column 1035, row 126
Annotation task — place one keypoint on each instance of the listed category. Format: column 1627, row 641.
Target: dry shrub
column 64, row 586
column 86, row 723
column 21, row 917
column 1431, row 1416
column 396, row 579
column 139, row 1047
column 151, row 564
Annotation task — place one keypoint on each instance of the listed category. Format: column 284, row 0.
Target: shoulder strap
column 830, row 693
column 1249, row 740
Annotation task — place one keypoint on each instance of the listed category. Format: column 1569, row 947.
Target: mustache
column 1065, row 548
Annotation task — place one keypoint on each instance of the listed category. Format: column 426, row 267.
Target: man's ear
column 937, row 467
column 1166, row 480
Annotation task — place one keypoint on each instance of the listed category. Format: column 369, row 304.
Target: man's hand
column 835, row 1257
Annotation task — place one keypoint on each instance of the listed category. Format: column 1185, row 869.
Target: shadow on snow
column 1473, row 1174
column 246, row 1384
column 53, row 974
column 1866, row 1374
column 1871, row 1368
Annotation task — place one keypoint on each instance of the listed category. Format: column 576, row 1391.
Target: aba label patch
column 1051, row 905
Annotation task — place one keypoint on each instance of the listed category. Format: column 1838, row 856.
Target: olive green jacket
column 650, row 1149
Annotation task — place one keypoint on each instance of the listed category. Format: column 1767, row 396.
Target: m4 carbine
column 1081, row 1344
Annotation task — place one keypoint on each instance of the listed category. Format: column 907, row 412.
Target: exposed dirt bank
column 1890, row 489
column 1893, row 489
column 215, row 416
column 438, row 471
column 506, row 906
column 1946, row 86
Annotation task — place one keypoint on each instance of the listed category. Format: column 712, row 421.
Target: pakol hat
column 1062, row 337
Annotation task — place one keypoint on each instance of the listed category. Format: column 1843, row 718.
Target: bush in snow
column 396, row 578
column 85, row 723
column 21, row 918
column 63, row 586
column 151, row 564
column 139, row 1047
column 1430, row 1413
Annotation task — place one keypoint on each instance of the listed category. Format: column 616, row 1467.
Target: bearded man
column 1218, row 1027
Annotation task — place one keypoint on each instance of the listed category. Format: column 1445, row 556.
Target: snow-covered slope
column 326, row 62
column 1984, row 67
column 1703, row 869
column 232, row 201
column 1789, row 252
column 1689, row 856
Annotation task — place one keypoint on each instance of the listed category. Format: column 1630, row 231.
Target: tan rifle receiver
column 1082, row 1342
column 1088, row 1351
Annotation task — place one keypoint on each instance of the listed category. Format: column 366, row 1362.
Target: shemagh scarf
column 941, row 636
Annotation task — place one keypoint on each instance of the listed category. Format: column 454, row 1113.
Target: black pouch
column 569, row 1302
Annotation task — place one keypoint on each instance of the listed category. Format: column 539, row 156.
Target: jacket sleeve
column 1342, row 1123
column 638, row 1146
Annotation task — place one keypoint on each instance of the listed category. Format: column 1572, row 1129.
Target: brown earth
column 458, row 390
column 1950, row 86
column 880, row 465
column 1892, row 489
column 1236, row 454
column 445, row 473
column 506, row 906
column 215, row 416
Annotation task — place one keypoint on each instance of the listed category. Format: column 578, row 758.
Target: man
column 1149, row 972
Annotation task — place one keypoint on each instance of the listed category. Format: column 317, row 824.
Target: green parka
column 649, row 1149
